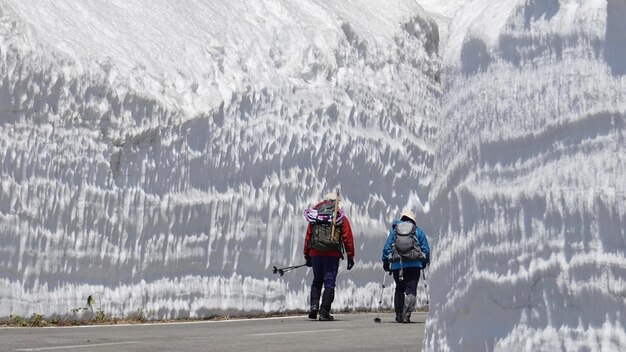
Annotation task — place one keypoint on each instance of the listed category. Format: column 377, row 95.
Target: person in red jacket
column 323, row 247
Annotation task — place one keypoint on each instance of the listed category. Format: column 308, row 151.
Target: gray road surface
column 349, row 332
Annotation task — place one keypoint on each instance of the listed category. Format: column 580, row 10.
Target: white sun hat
column 330, row 196
column 407, row 213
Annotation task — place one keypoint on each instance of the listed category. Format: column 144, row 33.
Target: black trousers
column 406, row 286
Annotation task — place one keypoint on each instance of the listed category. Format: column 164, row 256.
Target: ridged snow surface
column 529, row 179
column 158, row 155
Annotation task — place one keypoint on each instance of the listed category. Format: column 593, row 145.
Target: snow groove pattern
column 529, row 198
column 152, row 187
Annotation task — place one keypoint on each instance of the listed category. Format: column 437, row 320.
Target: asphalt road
column 349, row 332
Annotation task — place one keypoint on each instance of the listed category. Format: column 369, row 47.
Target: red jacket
column 346, row 238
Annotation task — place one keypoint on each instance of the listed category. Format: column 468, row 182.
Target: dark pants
column 324, row 271
column 406, row 286
column 324, row 274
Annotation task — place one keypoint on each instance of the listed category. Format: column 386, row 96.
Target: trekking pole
column 425, row 285
column 282, row 271
column 334, row 219
column 377, row 319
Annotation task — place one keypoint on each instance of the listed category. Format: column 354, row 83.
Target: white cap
column 330, row 196
column 407, row 213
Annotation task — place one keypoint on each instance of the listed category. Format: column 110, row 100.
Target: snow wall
column 158, row 165
column 529, row 191
column 158, row 156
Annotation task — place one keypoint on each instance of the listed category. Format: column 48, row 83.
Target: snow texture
column 529, row 198
column 158, row 156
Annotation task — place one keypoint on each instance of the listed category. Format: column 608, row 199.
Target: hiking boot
column 313, row 313
column 325, row 316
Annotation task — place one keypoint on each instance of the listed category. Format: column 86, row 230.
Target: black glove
column 308, row 262
column 350, row 263
column 386, row 265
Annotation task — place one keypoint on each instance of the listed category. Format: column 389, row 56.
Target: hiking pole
column 425, row 285
column 282, row 271
column 377, row 319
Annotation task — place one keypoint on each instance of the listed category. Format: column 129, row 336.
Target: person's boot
column 315, row 302
column 327, row 299
column 313, row 312
column 398, row 304
column 325, row 315
column 409, row 306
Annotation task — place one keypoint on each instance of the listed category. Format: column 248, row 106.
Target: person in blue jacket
column 405, row 269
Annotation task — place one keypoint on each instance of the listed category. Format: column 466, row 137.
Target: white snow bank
column 529, row 200
column 160, row 154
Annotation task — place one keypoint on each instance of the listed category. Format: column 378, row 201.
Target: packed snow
column 528, row 202
column 158, row 156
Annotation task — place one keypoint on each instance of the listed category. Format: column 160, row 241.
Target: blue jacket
column 421, row 240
